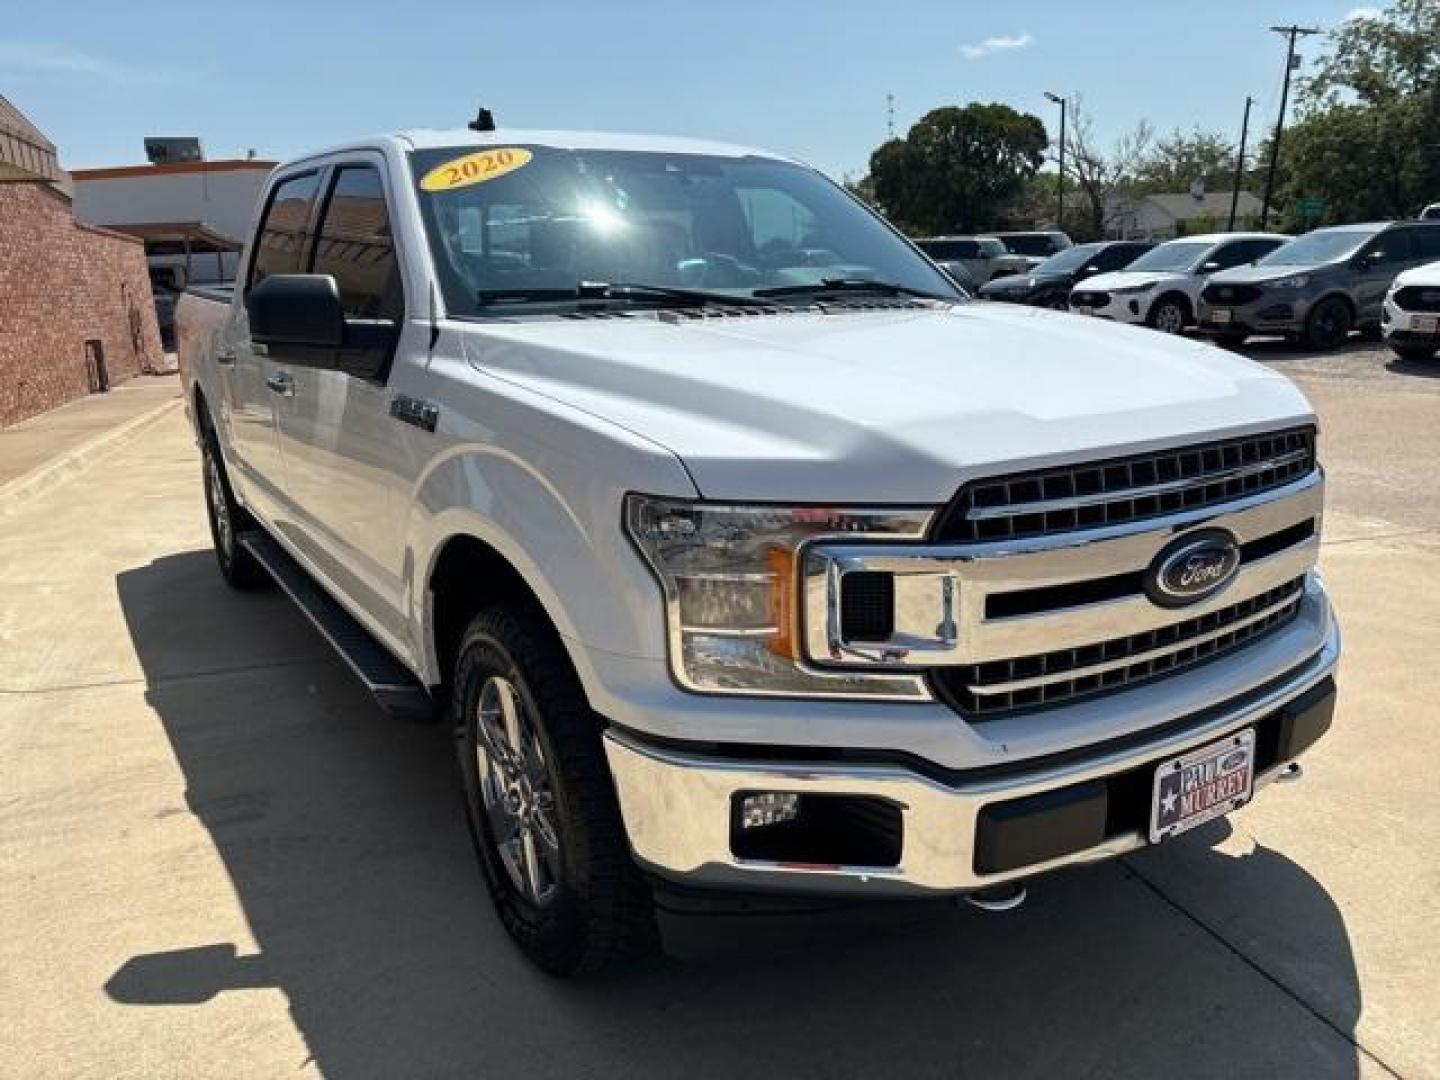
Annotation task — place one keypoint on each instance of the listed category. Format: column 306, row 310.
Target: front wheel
column 1168, row 316
column 1328, row 326
column 539, row 799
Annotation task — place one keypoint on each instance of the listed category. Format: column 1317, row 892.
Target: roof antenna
column 484, row 121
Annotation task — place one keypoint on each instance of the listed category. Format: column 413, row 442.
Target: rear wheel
column 539, row 799
column 227, row 520
column 1168, row 315
column 1329, row 324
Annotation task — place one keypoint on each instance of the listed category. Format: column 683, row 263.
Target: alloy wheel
column 518, row 791
column 1169, row 318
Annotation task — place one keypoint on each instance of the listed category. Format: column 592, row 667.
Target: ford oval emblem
column 1192, row 567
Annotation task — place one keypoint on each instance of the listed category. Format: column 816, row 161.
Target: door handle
column 281, row 382
column 225, row 357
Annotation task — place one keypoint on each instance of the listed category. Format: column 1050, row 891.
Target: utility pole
column 890, row 115
column 1291, row 32
column 1060, row 184
column 1240, row 163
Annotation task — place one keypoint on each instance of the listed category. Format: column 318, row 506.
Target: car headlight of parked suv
column 1294, row 281
column 731, row 579
column 1132, row 290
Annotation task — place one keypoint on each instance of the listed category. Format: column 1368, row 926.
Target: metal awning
column 198, row 235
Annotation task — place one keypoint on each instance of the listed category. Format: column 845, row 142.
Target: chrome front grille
column 1024, row 622
column 1052, row 678
column 1136, row 487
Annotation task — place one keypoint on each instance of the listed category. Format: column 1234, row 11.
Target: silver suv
column 1318, row 287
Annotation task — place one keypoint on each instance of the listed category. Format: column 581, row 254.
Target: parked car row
column 1050, row 283
column 971, row 260
column 1162, row 287
column 1316, row 288
column 1320, row 286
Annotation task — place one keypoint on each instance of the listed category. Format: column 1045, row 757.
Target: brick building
column 76, row 312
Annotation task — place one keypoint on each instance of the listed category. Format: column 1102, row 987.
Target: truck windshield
column 527, row 224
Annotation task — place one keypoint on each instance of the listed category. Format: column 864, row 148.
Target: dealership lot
column 218, row 858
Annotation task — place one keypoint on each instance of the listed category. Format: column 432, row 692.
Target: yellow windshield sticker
column 475, row 168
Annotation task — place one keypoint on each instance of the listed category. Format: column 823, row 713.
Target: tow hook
column 1290, row 773
column 1006, row 897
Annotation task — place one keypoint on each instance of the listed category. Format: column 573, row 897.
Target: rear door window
column 281, row 243
column 1390, row 247
column 354, row 245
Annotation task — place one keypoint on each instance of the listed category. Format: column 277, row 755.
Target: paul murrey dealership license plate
column 1202, row 785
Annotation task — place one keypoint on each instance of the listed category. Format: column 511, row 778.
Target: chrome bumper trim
column 677, row 806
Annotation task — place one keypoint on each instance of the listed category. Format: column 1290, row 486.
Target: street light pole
column 1291, row 33
column 1060, row 185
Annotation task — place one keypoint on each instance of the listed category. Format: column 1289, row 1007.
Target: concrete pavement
column 44, row 449
column 217, row 858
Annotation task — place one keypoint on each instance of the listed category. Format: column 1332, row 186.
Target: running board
column 396, row 690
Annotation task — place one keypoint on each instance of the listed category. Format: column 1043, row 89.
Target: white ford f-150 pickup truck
column 745, row 552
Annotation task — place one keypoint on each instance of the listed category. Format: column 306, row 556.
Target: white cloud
column 1003, row 43
column 1359, row 13
column 54, row 58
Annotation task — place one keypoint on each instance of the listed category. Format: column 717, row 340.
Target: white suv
column 1162, row 287
column 1410, row 319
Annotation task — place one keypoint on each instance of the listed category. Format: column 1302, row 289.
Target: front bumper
column 1409, row 327
column 957, row 830
column 1121, row 307
column 1277, row 311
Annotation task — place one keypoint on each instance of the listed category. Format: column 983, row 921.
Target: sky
column 806, row 78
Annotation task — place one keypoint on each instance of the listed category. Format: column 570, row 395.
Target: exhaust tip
column 997, row 898
column 1291, row 773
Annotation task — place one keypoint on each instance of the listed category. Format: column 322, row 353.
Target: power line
column 1291, row 32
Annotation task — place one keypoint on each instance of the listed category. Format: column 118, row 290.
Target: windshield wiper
column 620, row 290
column 828, row 285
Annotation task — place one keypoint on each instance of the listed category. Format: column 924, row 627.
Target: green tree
column 1367, row 140
column 1179, row 159
column 956, row 169
column 1378, row 58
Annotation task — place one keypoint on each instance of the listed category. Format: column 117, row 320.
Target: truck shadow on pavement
column 341, row 831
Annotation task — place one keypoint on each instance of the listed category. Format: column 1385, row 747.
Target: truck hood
column 1128, row 279
column 896, row 407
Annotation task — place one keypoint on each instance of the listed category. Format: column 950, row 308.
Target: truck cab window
column 355, row 246
column 282, row 233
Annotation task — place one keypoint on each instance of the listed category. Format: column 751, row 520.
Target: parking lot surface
column 218, row 858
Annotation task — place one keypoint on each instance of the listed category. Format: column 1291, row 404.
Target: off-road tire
column 602, row 908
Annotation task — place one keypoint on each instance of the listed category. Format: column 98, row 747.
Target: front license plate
column 1220, row 316
column 1425, row 324
column 1202, row 785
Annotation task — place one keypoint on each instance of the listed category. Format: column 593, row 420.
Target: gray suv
column 1318, row 287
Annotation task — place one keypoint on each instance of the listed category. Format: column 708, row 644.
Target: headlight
column 1294, row 281
column 1131, row 290
column 730, row 575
